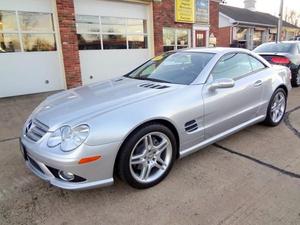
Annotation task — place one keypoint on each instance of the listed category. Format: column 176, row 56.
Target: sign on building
column 185, row 11
column 202, row 11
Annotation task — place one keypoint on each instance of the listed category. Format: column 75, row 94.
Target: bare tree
column 292, row 17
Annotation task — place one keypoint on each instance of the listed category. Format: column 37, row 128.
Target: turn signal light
column 280, row 60
column 89, row 159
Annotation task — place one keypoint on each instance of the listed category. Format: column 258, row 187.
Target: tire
column 296, row 79
column 135, row 160
column 277, row 105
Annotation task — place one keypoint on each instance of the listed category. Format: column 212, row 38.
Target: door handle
column 258, row 83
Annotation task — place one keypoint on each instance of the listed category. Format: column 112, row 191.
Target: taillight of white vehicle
column 280, row 60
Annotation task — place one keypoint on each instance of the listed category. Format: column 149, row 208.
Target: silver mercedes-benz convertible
column 137, row 125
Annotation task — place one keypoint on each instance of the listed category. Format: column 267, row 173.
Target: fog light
column 66, row 176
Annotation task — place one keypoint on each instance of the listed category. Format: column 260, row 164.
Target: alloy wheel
column 278, row 107
column 150, row 157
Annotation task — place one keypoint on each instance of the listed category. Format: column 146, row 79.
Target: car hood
column 79, row 104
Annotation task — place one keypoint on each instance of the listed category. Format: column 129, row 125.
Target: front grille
column 35, row 130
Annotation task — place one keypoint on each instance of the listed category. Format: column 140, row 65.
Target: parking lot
column 252, row 177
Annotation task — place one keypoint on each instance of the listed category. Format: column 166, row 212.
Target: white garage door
column 29, row 60
column 114, row 37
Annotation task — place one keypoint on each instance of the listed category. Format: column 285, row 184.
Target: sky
column 269, row 6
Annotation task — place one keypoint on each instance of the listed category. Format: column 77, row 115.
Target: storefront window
column 35, row 32
column 175, row 39
column 111, row 32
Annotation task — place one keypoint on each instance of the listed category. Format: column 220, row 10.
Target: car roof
column 216, row 50
column 284, row 42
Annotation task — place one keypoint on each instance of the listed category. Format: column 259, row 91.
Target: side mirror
column 222, row 83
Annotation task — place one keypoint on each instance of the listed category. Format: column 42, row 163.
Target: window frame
column 126, row 33
column 210, row 76
column 19, row 32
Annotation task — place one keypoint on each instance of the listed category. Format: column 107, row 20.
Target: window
column 9, row 43
column 137, row 33
column 9, row 38
column 232, row 66
column 174, row 39
column 256, row 64
column 33, row 32
column 88, row 29
column 178, row 68
column 104, row 32
column 242, row 34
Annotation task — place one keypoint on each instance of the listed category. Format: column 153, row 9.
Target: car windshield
column 274, row 47
column 176, row 68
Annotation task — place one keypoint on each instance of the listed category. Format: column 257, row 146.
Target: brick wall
column 66, row 18
column 224, row 37
column 164, row 16
column 214, row 19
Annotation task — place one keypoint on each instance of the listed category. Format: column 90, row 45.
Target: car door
column 227, row 108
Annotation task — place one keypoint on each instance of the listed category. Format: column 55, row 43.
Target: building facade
column 250, row 28
column 51, row 45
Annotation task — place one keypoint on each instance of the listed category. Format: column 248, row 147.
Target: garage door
column 29, row 60
column 113, row 37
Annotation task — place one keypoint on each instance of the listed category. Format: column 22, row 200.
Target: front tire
column 276, row 108
column 147, row 156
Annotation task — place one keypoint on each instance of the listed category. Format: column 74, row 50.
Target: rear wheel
column 147, row 156
column 276, row 108
column 296, row 79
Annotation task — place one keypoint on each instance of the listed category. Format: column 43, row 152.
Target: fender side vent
column 153, row 86
column 191, row 126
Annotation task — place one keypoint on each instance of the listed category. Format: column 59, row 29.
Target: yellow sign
column 185, row 11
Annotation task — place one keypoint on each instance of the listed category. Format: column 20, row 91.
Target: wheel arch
column 284, row 88
column 164, row 122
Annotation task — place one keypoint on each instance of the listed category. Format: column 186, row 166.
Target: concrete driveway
column 252, row 177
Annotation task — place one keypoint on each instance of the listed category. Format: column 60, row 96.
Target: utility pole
column 279, row 28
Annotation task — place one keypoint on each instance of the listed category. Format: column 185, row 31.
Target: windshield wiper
column 151, row 79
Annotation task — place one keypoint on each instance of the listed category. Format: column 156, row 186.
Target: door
column 229, row 107
column 118, row 40
column 200, row 38
column 29, row 54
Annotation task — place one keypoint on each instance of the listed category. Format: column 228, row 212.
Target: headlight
column 69, row 138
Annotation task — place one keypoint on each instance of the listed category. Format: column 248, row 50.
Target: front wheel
column 277, row 108
column 147, row 156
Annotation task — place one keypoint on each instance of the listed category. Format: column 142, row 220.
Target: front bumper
column 41, row 161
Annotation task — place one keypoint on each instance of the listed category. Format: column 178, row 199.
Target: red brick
column 66, row 18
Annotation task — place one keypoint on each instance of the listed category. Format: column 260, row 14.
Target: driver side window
column 232, row 66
